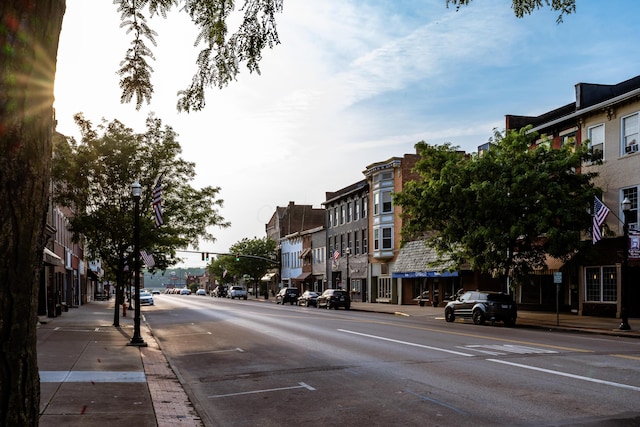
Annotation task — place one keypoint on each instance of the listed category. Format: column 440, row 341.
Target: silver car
column 146, row 298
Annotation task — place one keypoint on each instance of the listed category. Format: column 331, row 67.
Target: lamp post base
column 138, row 342
column 624, row 324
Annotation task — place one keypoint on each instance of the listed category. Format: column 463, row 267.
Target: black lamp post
column 624, row 314
column 347, row 252
column 136, row 191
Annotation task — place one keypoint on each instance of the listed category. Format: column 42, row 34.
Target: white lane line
column 301, row 385
column 92, row 376
column 406, row 343
column 237, row 349
column 565, row 374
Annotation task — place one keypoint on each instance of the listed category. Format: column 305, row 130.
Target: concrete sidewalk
column 91, row 377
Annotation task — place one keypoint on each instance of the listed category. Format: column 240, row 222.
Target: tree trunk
column 29, row 35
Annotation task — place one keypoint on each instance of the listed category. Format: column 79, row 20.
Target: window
column 600, row 284
column 387, row 238
column 376, row 203
column 330, row 218
column 365, row 247
column 349, row 241
column 335, row 216
column 376, row 239
column 629, row 134
column 365, row 206
column 356, row 243
column 349, row 211
column 596, row 141
column 342, row 214
column 632, row 194
column 568, row 140
column 386, row 202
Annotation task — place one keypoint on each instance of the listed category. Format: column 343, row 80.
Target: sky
column 352, row 83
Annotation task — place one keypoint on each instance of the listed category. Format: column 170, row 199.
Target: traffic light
column 207, row 258
column 237, row 257
column 202, row 255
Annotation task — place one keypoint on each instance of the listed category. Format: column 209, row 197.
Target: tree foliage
column 503, row 211
column 220, row 58
column 94, row 177
column 527, row 7
column 252, row 257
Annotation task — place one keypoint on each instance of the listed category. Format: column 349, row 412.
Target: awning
column 305, row 253
column 302, row 277
column 416, row 259
column 267, row 277
column 51, row 258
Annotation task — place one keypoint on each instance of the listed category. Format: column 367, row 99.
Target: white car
column 201, row 292
column 146, row 298
column 237, row 292
column 185, row 291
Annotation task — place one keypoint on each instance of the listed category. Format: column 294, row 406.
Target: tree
column 253, row 257
column 94, row 179
column 502, row 211
column 29, row 36
column 527, row 7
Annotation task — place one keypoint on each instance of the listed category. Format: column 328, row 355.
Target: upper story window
column 365, row 207
column 386, row 202
column 349, row 210
column 596, row 141
column 342, row 214
column 330, row 218
column 629, row 129
column 376, row 203
column 356, row 210
column 568, row 139
column 335, row 216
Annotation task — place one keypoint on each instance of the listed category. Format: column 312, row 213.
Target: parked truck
column 237, row 292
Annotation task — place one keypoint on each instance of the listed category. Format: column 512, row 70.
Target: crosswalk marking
column 503, row 349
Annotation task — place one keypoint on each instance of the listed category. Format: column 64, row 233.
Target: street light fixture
column 136, row 192
column 624, row 314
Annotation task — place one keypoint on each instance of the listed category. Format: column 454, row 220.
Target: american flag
column 600, row 212
column 157, row 203
column 224, row 273
column 336, row 255
column 148, row 259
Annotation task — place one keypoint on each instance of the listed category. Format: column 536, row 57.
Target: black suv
column 482, row 306
column 334, row 298
column 288, row 295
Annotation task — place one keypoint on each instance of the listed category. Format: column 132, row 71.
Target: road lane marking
column 237, row 349
column 437, row 402
column 565, row 374
column 406, row 343
column 624, row 356
column 92, row 377
column 300, row 385
column 502, row 349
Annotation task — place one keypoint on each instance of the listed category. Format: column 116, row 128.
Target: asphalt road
column 256, row 363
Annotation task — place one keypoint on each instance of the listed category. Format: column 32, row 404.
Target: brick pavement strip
column 170, row 402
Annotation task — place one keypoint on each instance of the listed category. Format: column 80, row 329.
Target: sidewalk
column 90, row 376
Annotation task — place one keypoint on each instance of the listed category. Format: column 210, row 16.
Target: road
column 256, row 363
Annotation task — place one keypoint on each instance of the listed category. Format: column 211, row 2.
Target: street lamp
column 136, row 191
column 624, row 314
column 347, row 252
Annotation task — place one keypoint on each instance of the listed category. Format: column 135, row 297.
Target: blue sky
column 353, row 82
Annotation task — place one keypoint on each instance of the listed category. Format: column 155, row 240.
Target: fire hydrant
column 124, row 309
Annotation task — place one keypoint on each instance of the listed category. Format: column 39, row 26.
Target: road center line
column 301, row 385
column 406, row 343
column 565, row 374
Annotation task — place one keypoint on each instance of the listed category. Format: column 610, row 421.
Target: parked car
column 288, row 295
column 308, row 298
column 237, row 292
column 185, row 291
column 201, row 292
column 220, row 291
column 146, row 298
column 334, row 298
column 155, row 292
column 481, row 306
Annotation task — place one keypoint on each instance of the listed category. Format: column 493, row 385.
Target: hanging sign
column 634, row 244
